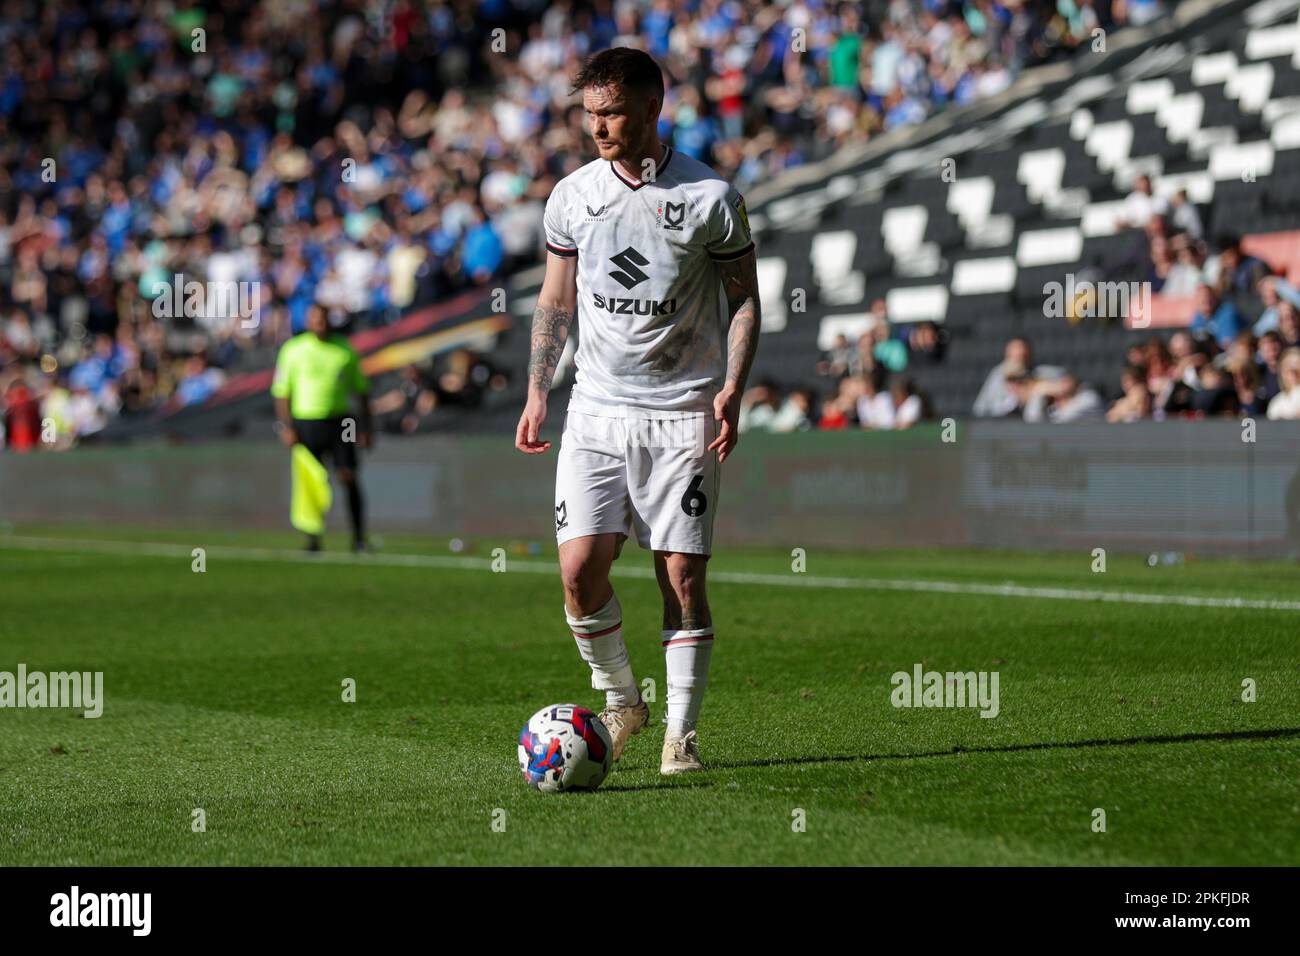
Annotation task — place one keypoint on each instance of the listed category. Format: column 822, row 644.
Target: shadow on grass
column 1017, row 748
column 664, row 784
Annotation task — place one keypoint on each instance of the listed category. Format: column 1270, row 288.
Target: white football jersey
column 651, row 308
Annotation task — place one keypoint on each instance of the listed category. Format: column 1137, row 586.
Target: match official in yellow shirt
column 317, row 374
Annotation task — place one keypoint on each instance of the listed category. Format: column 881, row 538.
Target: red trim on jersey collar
column 638, row 183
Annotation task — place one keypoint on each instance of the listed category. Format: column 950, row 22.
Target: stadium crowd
column 860, row 384
column 374, row 157
column 1236, row 354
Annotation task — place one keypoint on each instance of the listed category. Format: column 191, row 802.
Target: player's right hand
column 288, row 437
column 527, row 435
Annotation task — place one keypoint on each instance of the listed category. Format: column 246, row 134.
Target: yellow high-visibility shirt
column 318, row 377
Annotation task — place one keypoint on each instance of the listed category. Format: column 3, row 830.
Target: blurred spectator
column 1268, row 358
column 864, row 355
column 1059, row 400
column 885, row 349
column 1232, row 271
column 838, row 410
column 1288, row 324
column 927, row 343
column 199, row 382
column 1246, row 383
column 910, row 405
column 1085, row 303
column 1286, row 404
column 1188, row 358
column 1216, row 317
column 1135, row 404
column 408, row 407
column 795, row 414
column 758, row 407
column 1184, row 217
column 1140, row 205
column 465, row 379
column 21, row 418
column 1273, row 290
column 1216, row 396
column 1154, row 358
column 875, row 406
column 1140, row 12
column 1241, row 349
column 841, row 357
column 998, row 397
column 1188, row 269
column 1162, row 263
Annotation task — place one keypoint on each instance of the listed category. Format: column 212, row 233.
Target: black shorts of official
column 323, row 437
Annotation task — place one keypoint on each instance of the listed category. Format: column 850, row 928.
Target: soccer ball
column 565, row 747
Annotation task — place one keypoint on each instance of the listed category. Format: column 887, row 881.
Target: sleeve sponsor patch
column 739, row 203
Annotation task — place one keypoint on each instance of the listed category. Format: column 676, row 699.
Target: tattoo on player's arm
column 550, row 330
column 740, row 282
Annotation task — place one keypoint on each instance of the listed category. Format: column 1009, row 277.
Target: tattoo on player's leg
column 694, row 616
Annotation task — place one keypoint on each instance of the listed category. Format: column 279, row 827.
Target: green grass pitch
column 223, row 692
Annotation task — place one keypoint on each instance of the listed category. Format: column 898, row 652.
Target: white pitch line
column 149, row 549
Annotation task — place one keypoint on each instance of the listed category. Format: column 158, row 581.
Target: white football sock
column 600, row 642
column 687, row 655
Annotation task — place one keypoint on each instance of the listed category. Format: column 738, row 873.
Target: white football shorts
column 649, row 478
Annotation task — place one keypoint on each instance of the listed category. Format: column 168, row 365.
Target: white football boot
column 623, row 722
column 681, row 754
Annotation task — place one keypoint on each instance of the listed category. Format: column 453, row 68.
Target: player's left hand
column 726, row 409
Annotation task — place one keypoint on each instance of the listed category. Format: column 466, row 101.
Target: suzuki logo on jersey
column 627, row 261
column 616, row 306
column 672, row 215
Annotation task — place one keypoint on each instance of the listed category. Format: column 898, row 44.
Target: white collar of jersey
column 633, row 183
